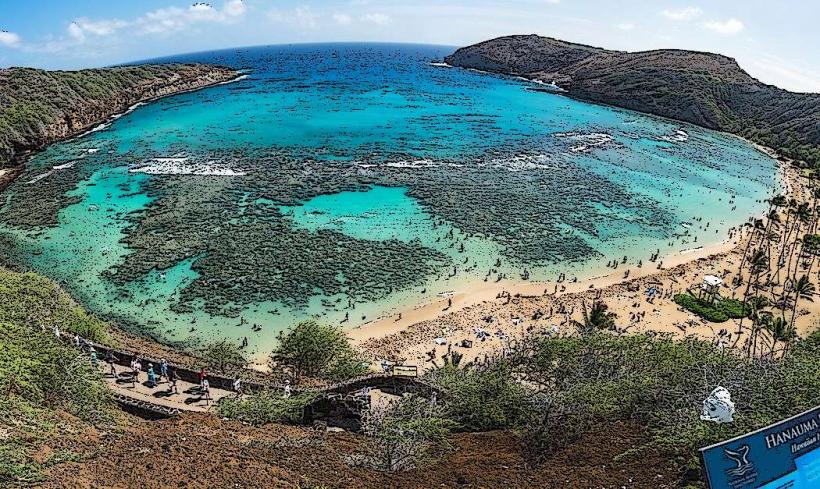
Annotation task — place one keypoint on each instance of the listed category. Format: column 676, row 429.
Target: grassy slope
column 48, row 391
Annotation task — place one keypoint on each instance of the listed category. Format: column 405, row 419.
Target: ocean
column 342, row 182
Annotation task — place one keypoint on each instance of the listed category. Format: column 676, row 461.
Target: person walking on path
column 237, row 387
column 152, row 376
column 287, row 389
column 110, row 359
column 93, row 355
column 206, row 392
column 203, row 375
column 163, row 369
column 172, row 382
column 136, row 367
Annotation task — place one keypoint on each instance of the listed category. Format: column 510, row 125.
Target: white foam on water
column 239, row 78
column 64, row 166
column 40, row 177
column 523, row 162
column 586, row 141
column 413, row 164
column 680, row 136
column 180, row 165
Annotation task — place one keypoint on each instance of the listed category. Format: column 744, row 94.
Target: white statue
column 718, row 407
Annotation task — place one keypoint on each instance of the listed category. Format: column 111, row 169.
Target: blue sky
column 775, row 41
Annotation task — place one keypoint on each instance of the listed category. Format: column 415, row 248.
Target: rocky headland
column 39, row 107
column 706, row 89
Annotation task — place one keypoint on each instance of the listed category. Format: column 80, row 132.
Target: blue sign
column 785, row 455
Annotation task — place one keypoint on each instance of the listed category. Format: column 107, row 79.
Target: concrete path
column 188, row 399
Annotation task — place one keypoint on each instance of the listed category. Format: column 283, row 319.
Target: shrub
column 223, row 356
column 481, row 398
column 404, row 434
column 265, row 407
column 660, row 383
column 316, row 350
column 718, row 312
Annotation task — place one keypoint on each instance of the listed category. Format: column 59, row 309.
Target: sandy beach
column 509, row 311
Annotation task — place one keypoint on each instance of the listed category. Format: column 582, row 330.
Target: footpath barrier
column 335, row 398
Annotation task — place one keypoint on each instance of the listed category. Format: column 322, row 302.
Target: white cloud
column 727, row 28
column 379, row 19
column 9, row 39
column 626, row 26
column 784, row 73
column 684, row 14
column 342, row 19
column 83, row 26
column 85, row 32
column 303, row 16
column 175, row 18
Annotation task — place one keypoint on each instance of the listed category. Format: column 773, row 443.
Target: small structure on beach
column 710, row 287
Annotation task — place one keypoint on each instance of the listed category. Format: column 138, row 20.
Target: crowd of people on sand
column 641, row 303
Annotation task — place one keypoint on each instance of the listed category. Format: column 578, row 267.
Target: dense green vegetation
column 266, row 407
column 481, row 398
column 719, row 311
column 315, row 350
column 702, row 88
column 31, row 300
column 41, row 376
column 406, row 433
column 660, row 383
column 37, row 106
column 574, row 385
column 223, row 356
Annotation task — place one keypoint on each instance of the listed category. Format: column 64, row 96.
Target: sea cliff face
column 706, row 89
column 39, row 107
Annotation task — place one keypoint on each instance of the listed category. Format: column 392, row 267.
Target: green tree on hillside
column 316, row 350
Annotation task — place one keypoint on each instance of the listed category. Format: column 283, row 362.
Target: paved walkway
column 188, row 399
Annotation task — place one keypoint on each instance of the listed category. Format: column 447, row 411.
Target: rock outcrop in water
column 39, row 107
column 706, row 89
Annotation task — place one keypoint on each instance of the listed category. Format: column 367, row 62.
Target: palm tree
column 756, row 225
column 811, row 246
column 772, row 222
column 758, row 263
column 758, row 317
column 780, row 330
column 802, row 289
column 598, row 318
column 802, row 216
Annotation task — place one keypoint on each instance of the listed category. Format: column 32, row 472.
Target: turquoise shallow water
column 360, row 150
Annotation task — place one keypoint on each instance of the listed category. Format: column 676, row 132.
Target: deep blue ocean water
column 578, row 183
